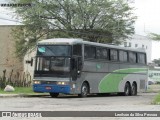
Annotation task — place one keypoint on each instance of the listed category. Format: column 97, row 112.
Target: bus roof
column 71, row 41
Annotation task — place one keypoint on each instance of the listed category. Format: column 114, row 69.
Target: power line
column 10, row 20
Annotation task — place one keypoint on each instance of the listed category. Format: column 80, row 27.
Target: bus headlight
column 61, row 83
column 37, row 82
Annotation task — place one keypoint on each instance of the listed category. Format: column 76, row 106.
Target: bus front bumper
column 51, row 88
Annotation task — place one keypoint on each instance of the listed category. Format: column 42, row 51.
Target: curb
column 20, row 95
column 9, row 95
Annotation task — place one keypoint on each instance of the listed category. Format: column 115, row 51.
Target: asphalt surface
column 74, row 103
column 70, row 102
column 141, row 102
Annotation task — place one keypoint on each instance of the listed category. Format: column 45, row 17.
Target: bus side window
column 113, row 55
column 123, row 56
column 77, row 50
column 132, row 57
column 89, row 52
column 101, row 53
column 141, row 58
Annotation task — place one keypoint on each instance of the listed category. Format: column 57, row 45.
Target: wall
column 28, row 69
column 8, row 59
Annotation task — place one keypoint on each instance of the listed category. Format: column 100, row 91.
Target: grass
column 154, row 88
column 156, row 100
column 19, row 90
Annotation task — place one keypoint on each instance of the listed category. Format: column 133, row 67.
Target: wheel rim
column 133, row 89
column 127, row 90
column 84, row 90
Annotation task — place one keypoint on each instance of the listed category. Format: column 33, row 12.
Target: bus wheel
column 134, row 89
column 54, row 95
column 127, row 89
column 84, row 90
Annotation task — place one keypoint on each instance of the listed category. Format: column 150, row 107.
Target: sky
column 147, row 11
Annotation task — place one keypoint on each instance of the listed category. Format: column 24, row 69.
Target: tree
column 157, row 61
column 106, row 21
column 154, row 36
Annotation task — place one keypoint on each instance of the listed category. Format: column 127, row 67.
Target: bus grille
column 48, row 82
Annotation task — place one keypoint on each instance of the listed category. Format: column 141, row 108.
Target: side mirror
column 30, row 62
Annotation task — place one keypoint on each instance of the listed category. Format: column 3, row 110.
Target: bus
column 75, row 66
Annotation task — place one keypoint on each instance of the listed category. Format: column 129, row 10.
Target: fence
column 16, row 79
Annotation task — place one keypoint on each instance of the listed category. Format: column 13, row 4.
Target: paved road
column 141, row 102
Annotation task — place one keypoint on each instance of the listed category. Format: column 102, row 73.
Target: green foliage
column 15, row 79
column 157, row 99
column 154, row 36
column 157, row 61
column 105, row 21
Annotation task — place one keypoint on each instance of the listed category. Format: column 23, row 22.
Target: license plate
column 48, row 88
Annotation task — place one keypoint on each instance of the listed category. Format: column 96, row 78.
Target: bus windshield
column 52, row 66
column 53, row 60
column 54, row 50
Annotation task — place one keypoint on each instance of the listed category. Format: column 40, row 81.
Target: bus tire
column 54, row 95
column 127, row 89
column 84, row 90
column 134, row 89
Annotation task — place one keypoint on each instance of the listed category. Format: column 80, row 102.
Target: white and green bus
column 75, row 66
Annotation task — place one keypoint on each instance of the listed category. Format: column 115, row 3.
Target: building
column 140, row 42
column 28, row 68
column 8, row 59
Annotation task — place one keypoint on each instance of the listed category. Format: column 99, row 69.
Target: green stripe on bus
column 110, row 82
